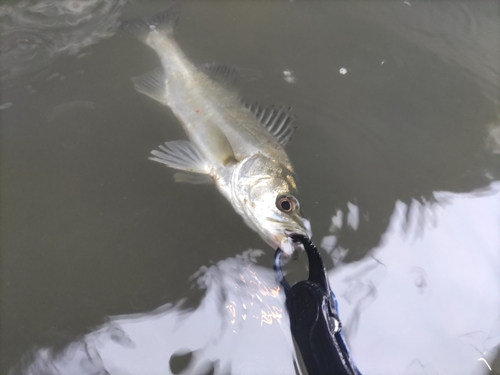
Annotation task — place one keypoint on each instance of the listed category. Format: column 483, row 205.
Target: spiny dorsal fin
column 153, row 84
column 277, row 120
column 181, row 155
column 221, row 72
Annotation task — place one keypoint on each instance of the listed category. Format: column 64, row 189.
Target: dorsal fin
column 277, row 120
column 222, row 72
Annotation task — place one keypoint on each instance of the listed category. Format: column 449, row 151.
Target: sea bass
column 240, row 147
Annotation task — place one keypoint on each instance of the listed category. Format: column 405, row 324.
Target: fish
column 237, row 146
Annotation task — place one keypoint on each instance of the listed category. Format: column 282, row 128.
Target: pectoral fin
column 181, row 155
column 217, row 145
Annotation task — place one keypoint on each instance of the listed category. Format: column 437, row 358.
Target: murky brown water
column 397, row 151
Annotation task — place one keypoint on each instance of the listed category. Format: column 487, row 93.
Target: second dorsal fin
column 221, row 72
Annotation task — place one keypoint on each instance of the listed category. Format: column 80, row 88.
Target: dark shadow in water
column 91, row 228
column 179, row 362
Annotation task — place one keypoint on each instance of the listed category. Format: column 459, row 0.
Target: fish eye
column 286, row 203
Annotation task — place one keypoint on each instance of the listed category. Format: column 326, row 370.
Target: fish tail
column 162, row 23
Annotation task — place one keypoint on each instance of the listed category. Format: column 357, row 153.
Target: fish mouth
column 288, row 236
column 291, row 243
column 296, row 237
column 295, row 234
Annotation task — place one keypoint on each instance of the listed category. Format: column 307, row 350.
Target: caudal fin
column 163, row 23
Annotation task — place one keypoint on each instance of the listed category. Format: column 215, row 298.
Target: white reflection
column 429, row 305
column 240, row 327
column 328, row 243
column 493, row 137
column 353, row 216
column 486, row 362
column 6, row 105
column 336, row 224
column 289, row 76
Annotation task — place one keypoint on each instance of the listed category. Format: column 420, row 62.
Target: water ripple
column 35, row 33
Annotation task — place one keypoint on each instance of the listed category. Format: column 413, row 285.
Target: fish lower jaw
column 293, row 234
column 287, row 246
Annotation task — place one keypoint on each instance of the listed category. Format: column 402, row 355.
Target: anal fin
column 181, row 155
column 193, row 178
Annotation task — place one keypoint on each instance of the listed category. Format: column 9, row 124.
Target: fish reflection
column 34, row 33
column 64, row 109
column 240, row 318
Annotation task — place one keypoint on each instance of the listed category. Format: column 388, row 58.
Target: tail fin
column 163, row 22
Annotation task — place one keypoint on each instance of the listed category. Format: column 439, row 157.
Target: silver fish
column 239, row 147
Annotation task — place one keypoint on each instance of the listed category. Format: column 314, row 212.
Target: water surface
column 109, row 265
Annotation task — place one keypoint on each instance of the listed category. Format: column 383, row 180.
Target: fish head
column 267, row 198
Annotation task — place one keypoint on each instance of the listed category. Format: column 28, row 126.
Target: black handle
column 314, row 319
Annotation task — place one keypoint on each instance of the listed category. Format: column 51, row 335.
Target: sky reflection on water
column 411, row 307
column 239, row 327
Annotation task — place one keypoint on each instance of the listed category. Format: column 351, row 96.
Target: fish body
column 240, row 147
